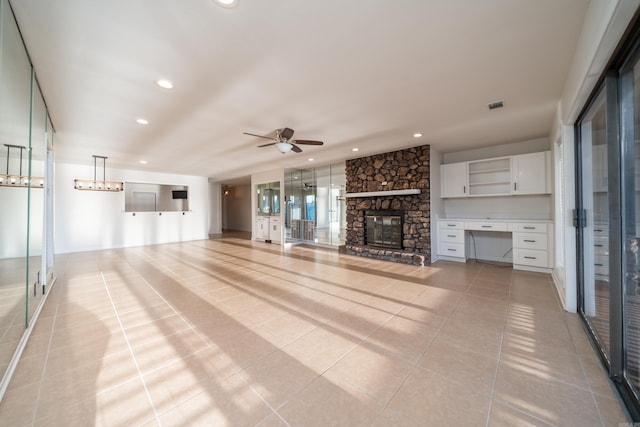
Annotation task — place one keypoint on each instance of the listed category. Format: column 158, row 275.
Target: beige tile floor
column 229, row 332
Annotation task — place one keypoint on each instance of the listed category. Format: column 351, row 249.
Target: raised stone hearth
column 398, row 170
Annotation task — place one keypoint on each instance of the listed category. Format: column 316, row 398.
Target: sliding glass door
column 608, row 221
column 629, row 84
column 594, row 242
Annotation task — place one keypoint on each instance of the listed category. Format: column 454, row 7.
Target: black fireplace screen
column 384, row 229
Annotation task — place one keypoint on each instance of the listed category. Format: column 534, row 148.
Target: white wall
column 511, row 149
column 215, row 208
column 436, row 203
column 603, row 27
column 94, row 220
column 238, row 208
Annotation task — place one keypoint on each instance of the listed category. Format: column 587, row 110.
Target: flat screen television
column 179, row 194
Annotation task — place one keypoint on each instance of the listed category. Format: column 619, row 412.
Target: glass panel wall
column 315, row 209
column 36, row 168
column 15, row 106
column 26, row 188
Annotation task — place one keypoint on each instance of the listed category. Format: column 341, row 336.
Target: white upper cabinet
column 502, row 176
column 490, row 177
column 529, row 173
column 454, row 180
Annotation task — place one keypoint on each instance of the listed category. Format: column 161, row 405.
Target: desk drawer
column 531, row 227
column 451, row 225
column 451, row 249
column 530, row 241
column 532, row 257
column 452, row 236
column 486, row 226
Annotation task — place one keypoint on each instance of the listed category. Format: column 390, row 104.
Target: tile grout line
column 135, row 361
column 44, row 367
column 495, row 375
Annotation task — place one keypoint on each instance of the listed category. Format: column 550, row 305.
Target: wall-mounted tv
column 179, row 194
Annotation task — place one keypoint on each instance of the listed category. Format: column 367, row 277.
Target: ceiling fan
column 283, row 141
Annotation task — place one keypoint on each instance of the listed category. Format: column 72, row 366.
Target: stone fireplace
column 368, row 179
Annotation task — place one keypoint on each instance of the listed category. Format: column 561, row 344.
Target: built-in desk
column 532, row 240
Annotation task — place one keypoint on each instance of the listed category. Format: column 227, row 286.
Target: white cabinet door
column 454, row 180
column 274, row 229
column 262, row 228
column 529, row 173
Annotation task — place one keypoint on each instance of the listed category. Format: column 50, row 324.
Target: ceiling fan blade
column 266, row 145
column 259, row 136
column 286, row 133
column 295, row 148
column 307, row 142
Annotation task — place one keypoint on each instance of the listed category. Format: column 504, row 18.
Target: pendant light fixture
column 19, row 180
column 95, row 184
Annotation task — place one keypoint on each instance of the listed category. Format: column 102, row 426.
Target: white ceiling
column 358, row 73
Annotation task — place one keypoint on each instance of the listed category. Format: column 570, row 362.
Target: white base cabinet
column 268, row 228
column 531, row 240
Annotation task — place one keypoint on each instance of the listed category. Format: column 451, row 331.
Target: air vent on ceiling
column 496, row 105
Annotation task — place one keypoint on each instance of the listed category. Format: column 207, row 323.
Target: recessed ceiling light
column 143, row 121
column 227, row 3
column 143, row 162
column 417, row 135
column 166, row 84
column 355, row 149
column 311, row 160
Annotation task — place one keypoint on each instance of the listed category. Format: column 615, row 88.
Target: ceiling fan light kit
column 283, row 147
column 283, row 141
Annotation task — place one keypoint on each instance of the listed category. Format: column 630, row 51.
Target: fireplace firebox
column 384, row 229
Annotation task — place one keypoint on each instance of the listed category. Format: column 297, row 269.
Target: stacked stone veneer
column 400, row 170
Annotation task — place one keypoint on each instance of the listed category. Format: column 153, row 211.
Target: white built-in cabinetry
column 531, row 240
column 275, row 227
column 262, row 228
column 501, row 176
column 530, row 173
column 268, row 228
column 454, row 180
column 489, row 177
